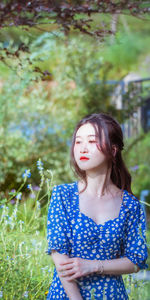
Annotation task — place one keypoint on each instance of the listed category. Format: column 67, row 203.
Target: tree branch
column 67, row 14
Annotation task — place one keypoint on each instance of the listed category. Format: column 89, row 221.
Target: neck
column 98, row 182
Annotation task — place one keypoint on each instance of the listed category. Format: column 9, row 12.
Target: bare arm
column 116, row 266
column 70, row 287
column 73, row 268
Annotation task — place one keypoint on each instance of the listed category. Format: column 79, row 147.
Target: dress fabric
column 71, row 232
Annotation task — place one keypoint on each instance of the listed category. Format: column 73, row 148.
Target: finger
column 76, row 275
column 67, row 273
column 65, row 267
column 68, row 261
column 68, row 267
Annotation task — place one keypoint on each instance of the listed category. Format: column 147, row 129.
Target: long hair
column 107, row 127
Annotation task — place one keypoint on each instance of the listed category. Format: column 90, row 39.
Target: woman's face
column 86, row 146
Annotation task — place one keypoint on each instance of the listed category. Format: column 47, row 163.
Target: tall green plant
column 138, row 163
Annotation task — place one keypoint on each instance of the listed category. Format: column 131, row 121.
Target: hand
column 72, row 268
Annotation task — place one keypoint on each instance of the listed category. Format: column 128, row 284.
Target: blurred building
column 133, row 92
column 145, row 115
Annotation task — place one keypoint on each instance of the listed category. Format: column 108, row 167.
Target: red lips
column 84, row 158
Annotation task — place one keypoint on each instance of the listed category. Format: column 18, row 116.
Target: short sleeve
column 58, row 230
column 135, row 244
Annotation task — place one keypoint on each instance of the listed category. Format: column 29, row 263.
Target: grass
column 26, row 270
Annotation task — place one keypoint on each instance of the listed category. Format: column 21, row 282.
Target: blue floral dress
column 71, row 232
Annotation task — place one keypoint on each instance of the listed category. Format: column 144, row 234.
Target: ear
column 114, row 150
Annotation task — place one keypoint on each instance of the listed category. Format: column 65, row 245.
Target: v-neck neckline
column 107, row 221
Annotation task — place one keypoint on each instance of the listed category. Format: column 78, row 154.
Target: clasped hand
column 72, row 268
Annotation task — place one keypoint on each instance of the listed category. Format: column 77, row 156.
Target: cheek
column 75, row 151
column 95, row 149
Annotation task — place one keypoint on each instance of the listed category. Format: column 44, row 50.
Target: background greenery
column 44, row 92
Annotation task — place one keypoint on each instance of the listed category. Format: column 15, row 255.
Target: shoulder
column 64, row 192
column 132, row 203
column 64, row 187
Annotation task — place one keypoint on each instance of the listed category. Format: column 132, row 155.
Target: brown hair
column 113, row 135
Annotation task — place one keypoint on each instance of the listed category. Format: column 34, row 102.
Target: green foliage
column 136, row 289
column 125, row 52
column 78, row 69
column 38, row 116
column 68, row 15
column 26, row 270
column 48, row 88
column 138, row 160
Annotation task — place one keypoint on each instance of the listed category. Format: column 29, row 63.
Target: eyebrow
column 78, row 136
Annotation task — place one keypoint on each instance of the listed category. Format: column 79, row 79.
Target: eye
column 77, row 142
column 92, row 141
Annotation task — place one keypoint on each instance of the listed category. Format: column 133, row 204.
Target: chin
column 87, row 168
column 82, row 168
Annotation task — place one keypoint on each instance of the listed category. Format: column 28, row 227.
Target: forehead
column 86, row 130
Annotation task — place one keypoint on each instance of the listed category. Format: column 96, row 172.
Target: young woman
column 96, row 226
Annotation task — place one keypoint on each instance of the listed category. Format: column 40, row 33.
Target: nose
column 84, row 148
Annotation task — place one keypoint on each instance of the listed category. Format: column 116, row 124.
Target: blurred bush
column 138, row 160
column 45, row 89
column 54, row 85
